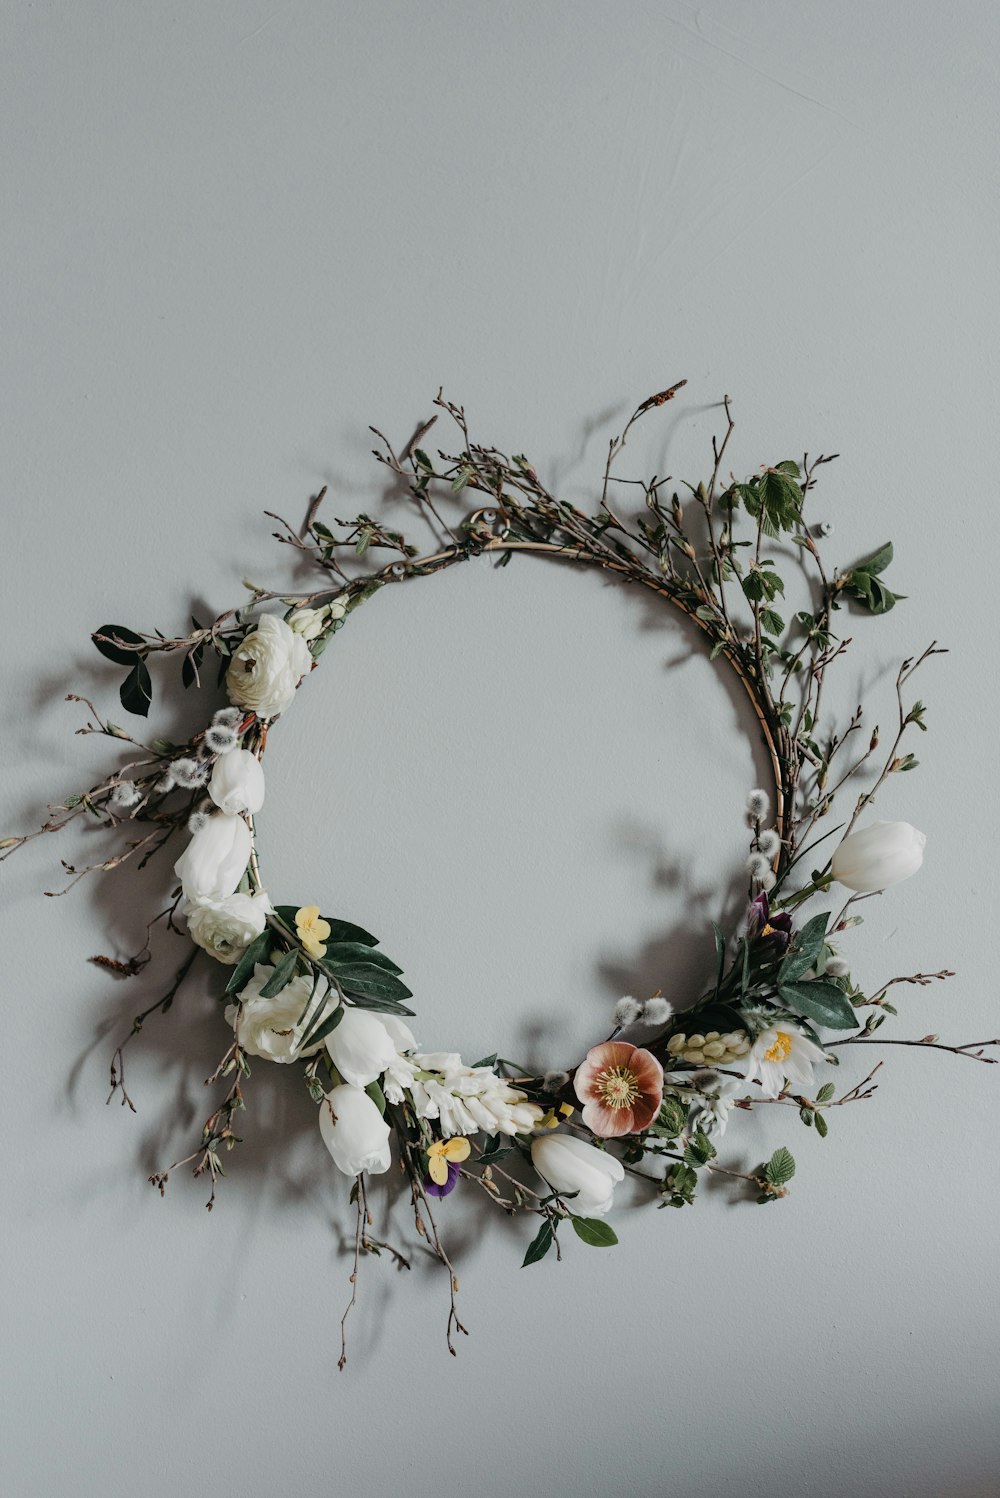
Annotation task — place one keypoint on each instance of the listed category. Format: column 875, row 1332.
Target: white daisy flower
column 783, row 1053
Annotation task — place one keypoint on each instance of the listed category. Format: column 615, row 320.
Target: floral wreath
column 316, row 992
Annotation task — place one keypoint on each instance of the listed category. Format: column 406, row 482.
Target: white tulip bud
column 354, row 1132
column 237, row 782
column 361, row 1047
column 570, row 1164
column 878, row 856
column 215, row 860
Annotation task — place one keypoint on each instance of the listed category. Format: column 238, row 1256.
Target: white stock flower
column 237, row 782
column 354, row 1131
column 467, row 1099
column 216, row 858
column 225, row 928
column 570, row 1164
column 877, row 856
column 782, row 1053
column 710, row 1111
column 274, row 1028
column 267, row 667
column 362, row 1046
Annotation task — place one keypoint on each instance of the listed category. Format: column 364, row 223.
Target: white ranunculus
column 274, row 1028
column 215, row 860
column 878, row 856
column 362, row 1046
column 354, row 1131
column 570, row 1164
column 225, row 928
column 267, row 667
column 237, row 782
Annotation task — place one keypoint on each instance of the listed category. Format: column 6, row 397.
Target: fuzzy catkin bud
column 767, row 880
column 188, row 773
column 758, row 806
column 220, row 738
column 227, row 717
column 757, row 866
column 768, row 842
column 555, row 1081
column 124, row 795
column 627, row 1011
column 837, row 967
column 197, row 821
column 656, row 1011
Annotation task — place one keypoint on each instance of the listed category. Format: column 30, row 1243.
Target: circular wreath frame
column 773, row 978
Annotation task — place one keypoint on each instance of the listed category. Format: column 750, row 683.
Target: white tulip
column 225, row 928
column 878, row 856
column 267, row 667
column 570, row 1164
column 354, row 1131
column 361, row 1047
column 215, row 860
column 237, row 782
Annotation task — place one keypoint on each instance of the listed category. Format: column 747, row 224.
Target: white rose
column 878, row 856
column 237, row 782
column 225, row 928
column 354, row 1131
column 267, row 667
column 271, row 1027
column 570, row 1164
column 215, row 859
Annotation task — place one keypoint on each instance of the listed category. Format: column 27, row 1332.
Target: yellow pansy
column 443, row 1151
column 311, row 930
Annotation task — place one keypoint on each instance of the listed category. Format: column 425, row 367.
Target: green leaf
column 485, row 1061
column 377, row 1096
column 116, row 636
column 137, row 690
column 824, row 1003
column 282, row 975
column 594, row 1231
column 780, row 1168
column 340, row 952
column 720, row 955
column 806, row 949
column 243, row 971
column 322, row 1030
column 822, row 1127
column 825, row 1094
column 539, row 1245
column 365, row 978
column 877, row 562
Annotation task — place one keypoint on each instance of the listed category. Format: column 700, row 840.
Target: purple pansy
column 433, row 1189
column 762, row 926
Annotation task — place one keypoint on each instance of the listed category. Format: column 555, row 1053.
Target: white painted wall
column 233, row 236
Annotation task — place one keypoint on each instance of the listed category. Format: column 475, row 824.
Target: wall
column 236, row 234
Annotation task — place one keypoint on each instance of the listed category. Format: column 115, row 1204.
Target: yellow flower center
column 618, row 1087
column 767, row 929
column 780, row 1049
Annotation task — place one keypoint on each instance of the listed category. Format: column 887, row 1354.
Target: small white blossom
column 710, row 1111
column 467, row 1099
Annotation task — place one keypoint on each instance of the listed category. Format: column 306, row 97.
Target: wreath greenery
column 318, row 992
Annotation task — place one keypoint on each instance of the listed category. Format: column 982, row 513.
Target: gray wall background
column 234, row 235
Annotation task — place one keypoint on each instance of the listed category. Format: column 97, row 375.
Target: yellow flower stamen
column 618, row 1087
column 767, row 929
column 311, row 930
column 781, row 1048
